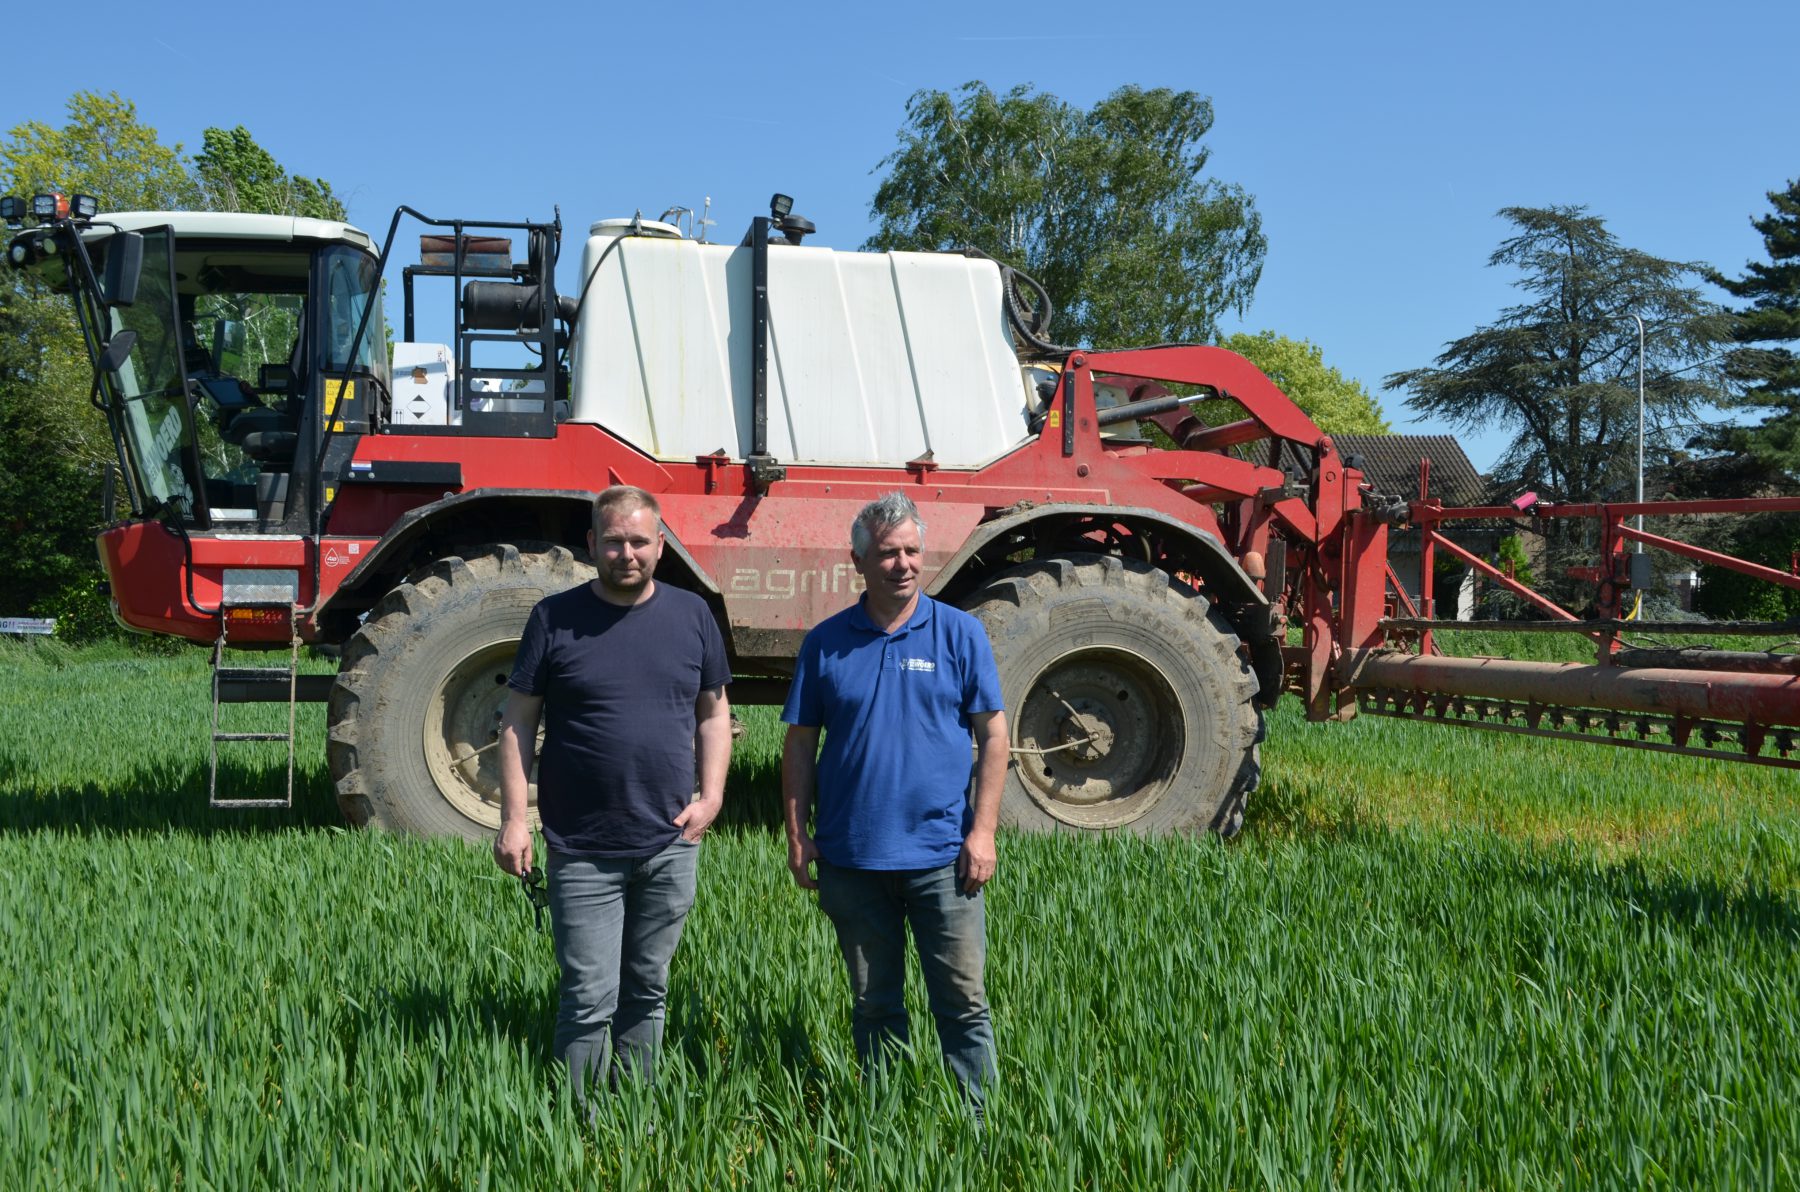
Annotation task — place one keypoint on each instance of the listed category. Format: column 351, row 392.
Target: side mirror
column 117, row 349
column 124, row 265
column 228, row 340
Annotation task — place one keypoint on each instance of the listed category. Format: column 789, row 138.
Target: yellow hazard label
column 1055, row 419
column 334, row 392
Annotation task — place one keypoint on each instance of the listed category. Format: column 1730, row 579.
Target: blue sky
column 1378, row 141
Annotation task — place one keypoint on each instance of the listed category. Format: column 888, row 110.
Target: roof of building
column 1391, row 464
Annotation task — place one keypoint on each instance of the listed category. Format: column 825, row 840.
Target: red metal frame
column 1659, row 709
column 778, row 556
column 1713, row 557
column 1612, row 579
column 1506, row 581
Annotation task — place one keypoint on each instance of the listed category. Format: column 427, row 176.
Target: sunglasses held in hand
column 536, row 892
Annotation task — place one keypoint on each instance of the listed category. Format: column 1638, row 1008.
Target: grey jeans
column 616, row 923
column 871, row 910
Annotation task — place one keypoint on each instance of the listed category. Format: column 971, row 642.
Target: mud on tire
column 421, row 685
column 1128, row 702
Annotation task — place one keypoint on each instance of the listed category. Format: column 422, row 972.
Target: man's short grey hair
column 881, row 515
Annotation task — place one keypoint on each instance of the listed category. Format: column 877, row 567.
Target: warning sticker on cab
column 335, row 390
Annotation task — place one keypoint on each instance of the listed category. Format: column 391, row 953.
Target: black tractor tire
column 415, row 710
column 1129, row 704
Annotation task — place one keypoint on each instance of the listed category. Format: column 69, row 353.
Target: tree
column 1761, row 459
column 237, row 174
column 1560, row 370
column 52, row 456
column 1340, row 405
column 103, row 151
column 1108, row 207
column 1767, row 371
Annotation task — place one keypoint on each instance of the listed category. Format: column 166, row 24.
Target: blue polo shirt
column 894, row 770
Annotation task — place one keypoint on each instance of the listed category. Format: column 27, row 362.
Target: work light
column 50, row 206
column 27, row 250
column 84, row 206
column 13, row 210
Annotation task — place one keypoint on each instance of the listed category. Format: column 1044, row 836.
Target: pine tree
column 1766, row 456
column 1761, row 459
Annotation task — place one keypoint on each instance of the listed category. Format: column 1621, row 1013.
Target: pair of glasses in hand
column 536, row 892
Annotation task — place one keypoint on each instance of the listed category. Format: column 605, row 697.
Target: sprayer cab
column 239, row 358
column 222, row 344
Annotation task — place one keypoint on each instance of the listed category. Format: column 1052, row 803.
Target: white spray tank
column 873, row 358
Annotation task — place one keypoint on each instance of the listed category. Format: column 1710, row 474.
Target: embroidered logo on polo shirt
column 918, row 664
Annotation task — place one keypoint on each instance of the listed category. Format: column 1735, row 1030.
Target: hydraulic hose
column 581, row 298
column 1032, row 323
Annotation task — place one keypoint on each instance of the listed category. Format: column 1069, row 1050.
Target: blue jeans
column 616, row 923
column 871, row 909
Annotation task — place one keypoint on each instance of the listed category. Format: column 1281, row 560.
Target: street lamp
column 1640, row 573
column 1640, row 478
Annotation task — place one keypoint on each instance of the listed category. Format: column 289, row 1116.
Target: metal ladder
column 252, row 675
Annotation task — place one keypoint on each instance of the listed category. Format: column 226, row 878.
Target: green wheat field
column 1436, row 958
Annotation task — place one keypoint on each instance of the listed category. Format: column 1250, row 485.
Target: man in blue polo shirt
column 898, row 682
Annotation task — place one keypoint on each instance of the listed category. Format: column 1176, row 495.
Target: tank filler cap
column 640, row 227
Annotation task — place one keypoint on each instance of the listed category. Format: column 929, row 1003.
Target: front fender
column 1208, row 556
column 481, row 515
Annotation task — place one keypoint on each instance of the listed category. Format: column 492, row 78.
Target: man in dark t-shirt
column 628, row 678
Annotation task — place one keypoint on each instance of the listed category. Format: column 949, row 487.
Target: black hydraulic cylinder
column 1149, row 408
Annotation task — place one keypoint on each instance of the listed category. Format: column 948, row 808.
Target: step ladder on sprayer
column 267, row 680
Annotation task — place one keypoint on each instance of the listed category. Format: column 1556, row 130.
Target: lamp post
column 1640, row 474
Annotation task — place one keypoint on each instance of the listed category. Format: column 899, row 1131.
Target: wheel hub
column 1087, row 731
column 462, row 733
column 1103, row 730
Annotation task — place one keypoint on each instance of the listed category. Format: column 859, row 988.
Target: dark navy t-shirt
column 894, row 770
column 619, row 685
